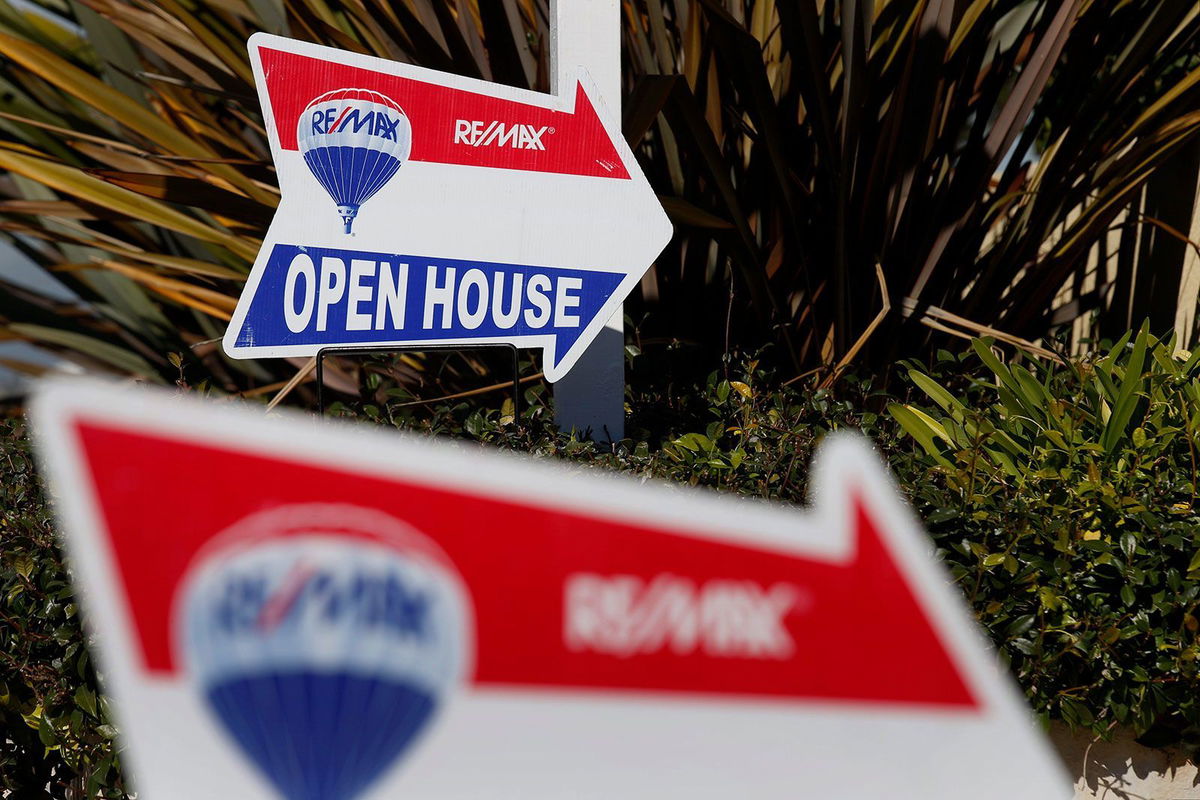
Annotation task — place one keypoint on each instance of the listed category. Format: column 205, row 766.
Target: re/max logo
column 307, row 596
column 350, row 118
column 497, row 134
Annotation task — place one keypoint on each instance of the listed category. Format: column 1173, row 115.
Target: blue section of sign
column 321, row 735
column 319, row 296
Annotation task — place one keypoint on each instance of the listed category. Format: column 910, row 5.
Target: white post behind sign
column 587, row 33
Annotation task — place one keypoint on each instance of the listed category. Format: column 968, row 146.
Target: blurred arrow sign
column 419, row 207
column 579, row 634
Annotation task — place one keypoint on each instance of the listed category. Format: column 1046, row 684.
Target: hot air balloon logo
column 324, row 638
column 353, row 141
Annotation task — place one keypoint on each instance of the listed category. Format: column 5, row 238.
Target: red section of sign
column 859, row 633
column 452, row 126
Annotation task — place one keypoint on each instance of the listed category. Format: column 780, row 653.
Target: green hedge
column 1061, row 497
column 1066, row 502
column 54, row 727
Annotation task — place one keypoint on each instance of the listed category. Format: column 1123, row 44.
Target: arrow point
column 853, row 492
column 927, row 669
column 844, row 463
column 591, row 127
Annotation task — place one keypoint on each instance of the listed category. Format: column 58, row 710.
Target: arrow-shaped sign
column 420, row 207
column 540, row 633
column 496, row 132
column 568, row 598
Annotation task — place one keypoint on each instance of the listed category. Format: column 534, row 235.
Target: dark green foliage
column 1064, row 497
column 54, row 729
column 967, row 155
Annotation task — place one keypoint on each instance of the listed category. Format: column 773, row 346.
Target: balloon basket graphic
column 348, row 213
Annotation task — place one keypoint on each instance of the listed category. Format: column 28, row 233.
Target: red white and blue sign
column 304, row 611
column 419, row 207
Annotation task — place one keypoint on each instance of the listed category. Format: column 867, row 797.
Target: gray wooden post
column 587, row 33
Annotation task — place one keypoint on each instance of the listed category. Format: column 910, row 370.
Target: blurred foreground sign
column 306, row 611
column 420, row 207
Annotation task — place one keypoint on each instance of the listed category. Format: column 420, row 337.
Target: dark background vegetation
column 849, row 181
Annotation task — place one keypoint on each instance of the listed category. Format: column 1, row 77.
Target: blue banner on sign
column 330, row 296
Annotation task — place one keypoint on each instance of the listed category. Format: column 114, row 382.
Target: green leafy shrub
column 55, row 736
column 734, row 429
column 1064, row 497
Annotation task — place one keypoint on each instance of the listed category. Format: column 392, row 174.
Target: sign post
column 419, row 207
column 364, row 615
column 587, row 36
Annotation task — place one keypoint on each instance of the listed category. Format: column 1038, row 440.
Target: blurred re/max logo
column 249, row 603
column 625, row 615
